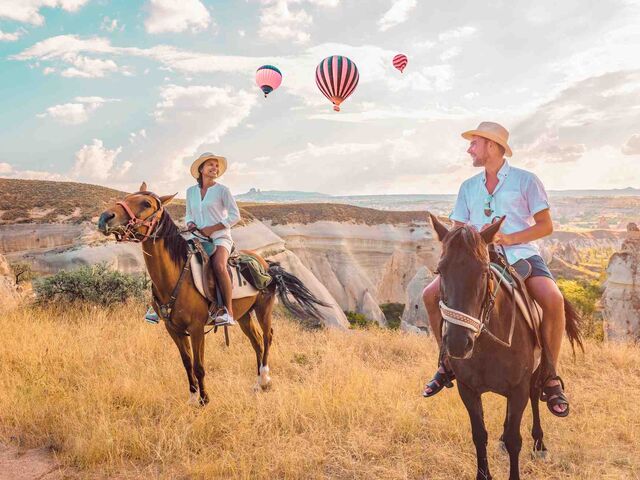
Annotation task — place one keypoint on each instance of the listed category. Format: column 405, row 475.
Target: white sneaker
column 224, row 319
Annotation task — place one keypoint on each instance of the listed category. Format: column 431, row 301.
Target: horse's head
column 135, row 217
column 464, row 282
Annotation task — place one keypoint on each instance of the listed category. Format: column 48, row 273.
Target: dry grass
column 107, row 392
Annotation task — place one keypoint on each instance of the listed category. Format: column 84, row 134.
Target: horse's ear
column 143, row 187
column 490, row 232
column 440, row 229
column 167, row 198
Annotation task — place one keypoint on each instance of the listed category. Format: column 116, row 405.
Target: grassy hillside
column 316, row 212
column 41, row 201
column 107, row 393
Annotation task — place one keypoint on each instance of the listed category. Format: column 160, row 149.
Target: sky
column 117, row 92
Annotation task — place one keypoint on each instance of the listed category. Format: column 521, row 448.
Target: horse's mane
column 466, row 239
column 175, row 243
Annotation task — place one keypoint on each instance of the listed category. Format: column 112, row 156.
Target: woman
column 213, row 211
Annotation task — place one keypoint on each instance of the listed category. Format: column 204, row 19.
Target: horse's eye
column 146, row 204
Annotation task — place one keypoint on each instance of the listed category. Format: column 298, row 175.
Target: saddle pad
column 241, row 288
column 534, row 323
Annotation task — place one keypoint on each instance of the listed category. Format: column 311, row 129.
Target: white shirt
column 519, row 195
column 217, row 206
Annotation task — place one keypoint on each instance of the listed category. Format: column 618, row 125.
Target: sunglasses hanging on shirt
column 488, row 211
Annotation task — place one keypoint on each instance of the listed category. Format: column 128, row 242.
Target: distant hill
column 280, row 196
column 42, row 201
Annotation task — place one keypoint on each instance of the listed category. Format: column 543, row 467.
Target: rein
column 480, row 325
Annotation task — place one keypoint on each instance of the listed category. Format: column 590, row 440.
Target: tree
column 21, row 271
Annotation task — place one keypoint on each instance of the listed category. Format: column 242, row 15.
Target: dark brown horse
column 490, row 349
column 142, row 217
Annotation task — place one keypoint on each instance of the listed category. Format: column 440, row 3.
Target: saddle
column 205, row 280
column 512, row 279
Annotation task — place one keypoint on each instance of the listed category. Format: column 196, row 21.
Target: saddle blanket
column 241, row 288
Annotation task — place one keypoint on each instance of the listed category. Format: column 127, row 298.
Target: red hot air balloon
column 337, row 78
column 400, row 61
column 268, row 78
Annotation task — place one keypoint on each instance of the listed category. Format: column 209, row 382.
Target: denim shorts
column 539, row 267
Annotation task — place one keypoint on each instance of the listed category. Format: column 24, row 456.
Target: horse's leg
column 264, row 311
column 504, row 431
column 197, row 343
column 473, row 402
column 539, row 450
column 182, row 342
column 250, row 329
column 512, row 439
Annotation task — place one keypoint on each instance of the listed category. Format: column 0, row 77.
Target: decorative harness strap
column 479, row 326
column 130, row 233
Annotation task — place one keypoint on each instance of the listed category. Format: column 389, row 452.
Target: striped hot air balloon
column 268, row 78
column 400, row 61
column 337, row 78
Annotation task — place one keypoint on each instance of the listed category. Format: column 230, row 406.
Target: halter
column 129, row 232
column 480, row 325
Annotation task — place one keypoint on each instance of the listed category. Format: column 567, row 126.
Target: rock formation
column 8, row 292
column 621, row 298
column 414, row 317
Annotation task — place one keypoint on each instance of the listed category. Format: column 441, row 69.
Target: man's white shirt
column 519, row 195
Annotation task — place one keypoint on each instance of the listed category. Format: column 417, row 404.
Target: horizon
column 106, row 93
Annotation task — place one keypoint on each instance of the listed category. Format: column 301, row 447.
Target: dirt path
column 29, row 464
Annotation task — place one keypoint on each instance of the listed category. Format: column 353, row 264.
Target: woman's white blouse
column 217, row 206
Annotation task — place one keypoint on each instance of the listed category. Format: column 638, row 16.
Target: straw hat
column 492, row 131
column 222, row 164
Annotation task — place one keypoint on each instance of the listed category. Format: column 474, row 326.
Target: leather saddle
column 512, row 278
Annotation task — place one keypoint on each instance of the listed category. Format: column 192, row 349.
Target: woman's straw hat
column 492, row 131
column 222, row 164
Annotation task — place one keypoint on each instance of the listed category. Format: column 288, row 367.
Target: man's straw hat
column 492, row 131
column 222, row 164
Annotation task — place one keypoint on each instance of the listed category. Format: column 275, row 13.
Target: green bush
column 96, row 284
column 393, row 314
column 359, row 320
column 585, row 296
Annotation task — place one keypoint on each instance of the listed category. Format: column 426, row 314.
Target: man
column 505, row 190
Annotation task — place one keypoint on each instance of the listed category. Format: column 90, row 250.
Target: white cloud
column 48, row 70
column 457, row 33
column 28, row 11
column 77, row 112
column 450, row 53
column 176, row 16
column 10, row 37
column 549, row 149
column 632, row 146
column 397, row 14
column 434, row 78
column 111, row 25
column 242, row 33
column 278, row 22
column 87, row 67
column 96, row 162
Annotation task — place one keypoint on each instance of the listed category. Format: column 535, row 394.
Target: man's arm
column 542, row 228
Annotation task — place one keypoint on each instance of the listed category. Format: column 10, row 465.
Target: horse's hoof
column 193, row 399
column 540, row 455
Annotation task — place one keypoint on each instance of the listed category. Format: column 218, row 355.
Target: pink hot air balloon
column 268, row 78
column 400, row 61
column 337, row 78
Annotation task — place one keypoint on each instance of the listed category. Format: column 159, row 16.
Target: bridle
column 480, row 325
column 129, row 233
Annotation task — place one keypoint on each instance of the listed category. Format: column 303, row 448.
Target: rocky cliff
column 621, row 298
column 8, row 292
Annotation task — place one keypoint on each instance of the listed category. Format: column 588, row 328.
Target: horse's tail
column 306, row 303
column 573, row 325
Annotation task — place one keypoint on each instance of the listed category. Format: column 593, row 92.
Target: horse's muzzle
column 462, row 349
column 103, row 222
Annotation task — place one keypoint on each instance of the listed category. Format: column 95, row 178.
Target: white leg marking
column 264, row 379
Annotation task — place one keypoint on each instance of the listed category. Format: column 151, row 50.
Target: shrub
column 96, row 284
column 359, row 320
column 585, row 295
column 393, row 314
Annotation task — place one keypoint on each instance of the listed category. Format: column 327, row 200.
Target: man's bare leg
column 547, row 294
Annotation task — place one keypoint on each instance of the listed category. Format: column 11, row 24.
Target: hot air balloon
column 268, row 78
column 400, row 61
column 337, row 78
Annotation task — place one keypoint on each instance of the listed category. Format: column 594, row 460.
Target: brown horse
column 489, row 344
column 141, row 217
